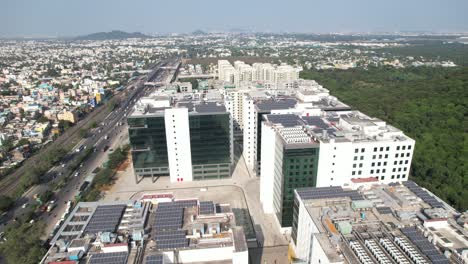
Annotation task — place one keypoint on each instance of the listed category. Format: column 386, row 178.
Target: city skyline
column 38, row 19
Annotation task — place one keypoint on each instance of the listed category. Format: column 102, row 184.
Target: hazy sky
column 76, row 17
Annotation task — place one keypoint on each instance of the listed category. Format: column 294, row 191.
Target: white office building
column 379, row 223
column 333, row 149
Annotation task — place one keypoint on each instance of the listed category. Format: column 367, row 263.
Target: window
column 362, row 157
column 406, row 161
column 362, row 150
column 355, row 150
column 385, row 163
column 401, row 162
column 380, row 156
column 378, row 163
column 403, row 148
column 407, row 154
column 354, row 173
column 394, row 169
column 396, row 155
column 383, row 170
column 378, row 171
column 375, row 149
column 399, row 169
column 381, row 148
column 359, row 172
column 387, row 149
column 393, row 177
column 371, row 171
column 404, row 169
column 398, row 176
column 398, row 148
column 355, row 157
column 354, row 165
column 386, row 156
column 373, row 164
column 382, row 178
column 395, row 162
column 360, row 165
column 373, row 157
column 409, row 147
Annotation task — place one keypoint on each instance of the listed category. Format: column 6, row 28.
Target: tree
column 42, row 119
column 23, row 141
column 5, row 203
column 23, row 244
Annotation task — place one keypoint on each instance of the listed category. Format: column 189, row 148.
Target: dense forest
column 428, row 104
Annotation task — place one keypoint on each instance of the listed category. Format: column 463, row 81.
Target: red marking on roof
column 156, row 196
column 436, row 220
column 362, row 180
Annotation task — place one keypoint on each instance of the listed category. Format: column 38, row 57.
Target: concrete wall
column 178, row 144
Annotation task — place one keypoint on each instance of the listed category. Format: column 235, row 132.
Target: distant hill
column 115, row 34
column 199, row 32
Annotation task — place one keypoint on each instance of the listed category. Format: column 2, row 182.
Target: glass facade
column 210, row 139
column 260, row 116
column 149, row 148
column 299, row 170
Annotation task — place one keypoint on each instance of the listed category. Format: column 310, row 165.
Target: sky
column 78, row 17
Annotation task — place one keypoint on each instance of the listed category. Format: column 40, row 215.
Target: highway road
column 108, row 133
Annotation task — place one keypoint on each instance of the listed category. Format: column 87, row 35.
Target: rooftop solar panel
column 105, row 218
column 154, row 259
column 207, row 208
column 424, row 245
column 109, row 258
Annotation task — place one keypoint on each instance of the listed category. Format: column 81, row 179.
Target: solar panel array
column 109, row 258
column 154, row 259
column 286, row 120
column 106, row 218
column 170, row 215
column 171, row 239
column 424, row 245
column 424, row 195
column 168, row 223
column 328, row 192
column 384, row 210
column 207, row 208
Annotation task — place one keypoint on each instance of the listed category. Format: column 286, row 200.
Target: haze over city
column 31, row 18
column 243, row 132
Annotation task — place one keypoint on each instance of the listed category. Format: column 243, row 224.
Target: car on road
column 77, row 173
column 24, row 205
column 63, row 165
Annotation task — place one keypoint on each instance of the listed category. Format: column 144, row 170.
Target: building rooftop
column 101, row 232
column 350, row 127
column 384, row 221
column 157, row 105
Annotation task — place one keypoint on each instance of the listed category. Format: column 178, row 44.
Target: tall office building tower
column 330, row 150
column 186, row 140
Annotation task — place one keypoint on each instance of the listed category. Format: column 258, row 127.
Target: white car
column 76, row 174
column 24, row 205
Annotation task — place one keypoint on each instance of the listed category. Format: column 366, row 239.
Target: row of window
column 381, row 170
column 356, row 150
column 398, row 176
